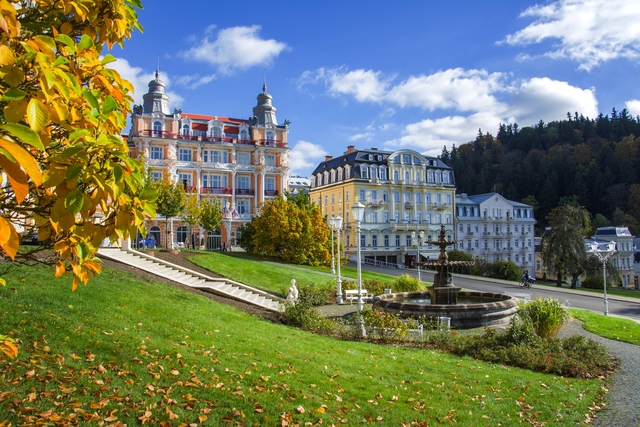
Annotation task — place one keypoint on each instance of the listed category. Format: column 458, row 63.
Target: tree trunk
column 559, row 280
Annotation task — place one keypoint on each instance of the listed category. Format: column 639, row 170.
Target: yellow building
column 404, row 192
column 241, row 163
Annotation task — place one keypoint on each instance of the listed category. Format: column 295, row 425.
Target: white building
column 493, row 228
column 623, row 259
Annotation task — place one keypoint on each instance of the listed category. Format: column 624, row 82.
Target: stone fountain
column 445, row 300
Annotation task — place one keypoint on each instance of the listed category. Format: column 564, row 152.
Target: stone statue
column 292, row 296
column 137, row 109
column 285, row 159
column 171, row 152
column 287, row 122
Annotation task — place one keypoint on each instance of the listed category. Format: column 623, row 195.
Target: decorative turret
column 265, row 113
column 156, row 100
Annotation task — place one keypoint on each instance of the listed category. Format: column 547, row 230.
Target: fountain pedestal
column 444, row 295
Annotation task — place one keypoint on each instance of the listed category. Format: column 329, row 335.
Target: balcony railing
column 244, row 192
column 271, row 143
column 214, row 139
column 215, row 190
column 270, row 193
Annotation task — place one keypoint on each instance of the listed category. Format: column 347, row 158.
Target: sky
column 389, row 75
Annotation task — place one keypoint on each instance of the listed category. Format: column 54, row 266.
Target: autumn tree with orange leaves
column 66, row 173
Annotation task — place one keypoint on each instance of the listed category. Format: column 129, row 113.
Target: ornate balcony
column 270, row 193
column 215, row 190
column 271, row 143
column 157, row 133
column 245, row 191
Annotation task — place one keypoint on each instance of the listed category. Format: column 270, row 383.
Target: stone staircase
column 176, row 273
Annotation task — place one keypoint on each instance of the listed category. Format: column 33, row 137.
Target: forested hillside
column 595, row 161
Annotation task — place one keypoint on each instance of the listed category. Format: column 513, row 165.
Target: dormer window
column 185, row 130
column 383, row 173
column 244, row 135
column 216, row 132
column 271, row 136
column 364, row 171
column 340, row 174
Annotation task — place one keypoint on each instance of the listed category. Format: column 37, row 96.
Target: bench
column 351, row 295
column 525, row 298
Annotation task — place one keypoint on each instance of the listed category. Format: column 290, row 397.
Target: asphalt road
column 618, row 306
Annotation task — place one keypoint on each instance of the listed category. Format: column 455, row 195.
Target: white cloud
column 548, row 100
column 234, row 48
column 305, row 155
column 140, row 81
column 364, row 85
column 365, row 136
column 589, row 32
column 634, row 107
column 462, row 90
column 194, row 80
column 430, row 135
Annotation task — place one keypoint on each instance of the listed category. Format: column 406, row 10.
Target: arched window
column 347, row 172
column 340, row 174
column 438, row 177
column 383, row 173
column 155, row 232
column 185, row 130
column 430, row 176
column 216, row 132
column 396, row 175
column 407, row 176
column 373, row 171
column 244, row 135
column 271, row 136
column 157, row 128
column 445, row 177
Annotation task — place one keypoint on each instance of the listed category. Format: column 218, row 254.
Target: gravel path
column 623, row 399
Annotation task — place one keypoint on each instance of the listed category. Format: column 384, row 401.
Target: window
column 270, row 160
column 396, row 175
column 216, row 132
column 348, row 240
column 396, row 216
column 271, row 136
column 362, row 195
column 326, row 200
column 406, row 159
column 448, row 199
column 396, row 197
column 242, row 206
column 374, row 217
column 244, row 135
column 418, row 198
column 214, row 156
column 185, row 130
column 156, row 176
column 407, row 196
column 157, row 128
column 269, row 184
column 430, row 176
column 218, row 181
column 374, row 196
column 185, row 154
column 333, row 175
column 397, row 240
column 244, row 159
column 383, row 173
column 347, row 172
column 427, row 218
column 419, row 216
column 346, row 198
column 363, row 240
column 157, row 153
column 340, row 174
column 386, row 240
column 408, row 240
column 385, row 196
column 386, row 216
column 333, row 199
column 438, row 177
column 374, row 240
column 445, row 177
column 185, row 179
column 181, row 234
column 373, row 172
column 243, row 182
column 364, row 171
column 407, row 177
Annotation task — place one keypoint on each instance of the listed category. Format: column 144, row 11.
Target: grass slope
column 123, row 350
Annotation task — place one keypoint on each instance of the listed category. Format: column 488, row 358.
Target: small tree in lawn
column 191, row 214
column 292, row 229
column 171, row 200
column 210, row 215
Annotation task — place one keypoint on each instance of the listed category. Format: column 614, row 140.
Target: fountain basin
column 474, row 309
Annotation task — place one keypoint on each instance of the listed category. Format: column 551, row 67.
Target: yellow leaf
column 7, row 57
column 9, row 348
column 13, row 76
column 37, row 115
column 14, row 111
column 59, row 269
column 17, row 178
column 25, row 159
column 3, row 282
column 9, row 238
column 74, row 284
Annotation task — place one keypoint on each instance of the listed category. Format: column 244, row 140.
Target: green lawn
column 614, row 328
column 124, row 350
column 273, row 278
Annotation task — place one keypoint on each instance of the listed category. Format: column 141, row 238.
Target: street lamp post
column 228, row 218
column 603, row 251
column 338, row 225
column 418, row 243
column 332, row 224
column 357, row 210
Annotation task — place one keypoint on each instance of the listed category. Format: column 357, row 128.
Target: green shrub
column 406, row 283
column 521, row 331
column 315, row 294
column 303, row 316
column 384, row 326
column 594, row 282
column 457, row 255
column 546, row 315
column 506, row 270
column 375, row 286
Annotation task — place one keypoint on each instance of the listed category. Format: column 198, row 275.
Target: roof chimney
column 374, row 149
column 326, row 158
column 350, row 148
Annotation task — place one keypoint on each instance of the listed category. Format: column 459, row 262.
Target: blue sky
column 390, row 75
